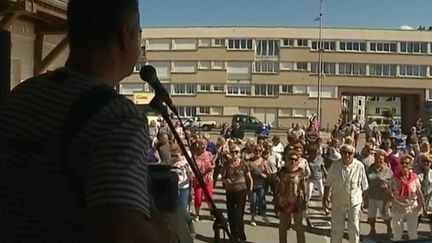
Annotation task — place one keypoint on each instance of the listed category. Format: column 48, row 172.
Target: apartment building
column 272, row 72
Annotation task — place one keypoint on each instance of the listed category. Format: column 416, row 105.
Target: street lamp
column 320, row 63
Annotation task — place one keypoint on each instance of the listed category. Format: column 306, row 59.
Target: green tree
column 388, row 113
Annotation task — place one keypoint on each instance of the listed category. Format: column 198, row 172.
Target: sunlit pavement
column 268, row 233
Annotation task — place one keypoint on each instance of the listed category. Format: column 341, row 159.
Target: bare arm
column 249, row 181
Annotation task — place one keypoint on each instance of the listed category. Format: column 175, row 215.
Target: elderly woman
column 407, row 199
column 237, row 180
column 184, row 172
column 290, row 196
column 379, row 175
column 425, row 177
column 204, row 160
column 424, row 149
column 367, row 155
column 259, row 171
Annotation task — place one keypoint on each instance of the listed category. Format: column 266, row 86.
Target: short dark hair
column 94, row 23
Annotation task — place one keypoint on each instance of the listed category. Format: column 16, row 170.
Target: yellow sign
column 142, row 98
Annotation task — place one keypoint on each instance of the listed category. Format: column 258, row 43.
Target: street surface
column 268, row 233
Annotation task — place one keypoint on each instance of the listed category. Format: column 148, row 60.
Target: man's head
column 163, row 138
column 347, row 152
column 105, row 26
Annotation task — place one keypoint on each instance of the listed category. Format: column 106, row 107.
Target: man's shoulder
column 358, row 163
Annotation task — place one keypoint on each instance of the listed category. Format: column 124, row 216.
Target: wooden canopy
column 49, row 18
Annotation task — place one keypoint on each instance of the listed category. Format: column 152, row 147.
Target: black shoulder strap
column 80, row 113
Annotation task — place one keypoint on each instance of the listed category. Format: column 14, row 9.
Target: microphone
column 148, row 74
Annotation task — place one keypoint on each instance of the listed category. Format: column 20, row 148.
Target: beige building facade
column 272, row 72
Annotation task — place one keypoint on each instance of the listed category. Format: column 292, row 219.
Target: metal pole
column 320, row 63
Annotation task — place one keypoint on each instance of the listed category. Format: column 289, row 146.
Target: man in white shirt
column 347, row 179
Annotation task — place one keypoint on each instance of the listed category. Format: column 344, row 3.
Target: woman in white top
column 184, row 172
column 407, row 199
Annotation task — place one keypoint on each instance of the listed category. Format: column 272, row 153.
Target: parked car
column 249, row 123
column 196, row 122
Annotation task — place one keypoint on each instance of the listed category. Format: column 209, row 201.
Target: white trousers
column 315, row 183
column 398, row 224
column 338, row 216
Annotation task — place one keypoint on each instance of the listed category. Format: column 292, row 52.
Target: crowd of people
column 391, row 183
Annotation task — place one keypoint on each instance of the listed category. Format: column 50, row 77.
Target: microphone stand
column 220, row 222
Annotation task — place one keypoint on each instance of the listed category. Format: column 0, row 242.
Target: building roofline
column 279, row 27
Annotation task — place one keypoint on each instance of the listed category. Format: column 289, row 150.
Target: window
column 413, row 71
column 266, row 67
column 159, row 44
column 238, row 90
column 204, row 88
column 288, row 42
column 326, row 45
column 204, row 42
column 184, row 89
column 267, row 47
column 286, row 89
column 286, row 66
column 218, row 111
column 413, row 47
column 377, row 111
column 187, row 111
column 382, row 70
column 137, row 68
column 298, row 112
column 204, row 65
column 327, row 68
column 240, row 44
column 218, row 88
column 184, row 67
column 352, row 46
column 238, row 70
column 203, row 110
column 184, row 44
column 359, row 112
column 299, row 89
column 266, row 90
column 382, row 47
column 352, row 69
column 130, row 88
column 163, row 69
column 360, row 102
column 218, row 42
column 285, row 112
column 302, row 42
column 302, row 66
column 218, row 65
column 326, row 92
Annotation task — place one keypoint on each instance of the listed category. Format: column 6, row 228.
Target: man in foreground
column 107, row 155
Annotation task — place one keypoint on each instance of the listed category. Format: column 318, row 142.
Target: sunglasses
column 235, row 151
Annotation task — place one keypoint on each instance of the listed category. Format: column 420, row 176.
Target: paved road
column 268, row 233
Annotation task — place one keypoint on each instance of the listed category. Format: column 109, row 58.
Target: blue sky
column 337, row 13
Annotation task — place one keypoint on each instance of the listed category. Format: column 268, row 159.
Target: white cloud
column 406, row 27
